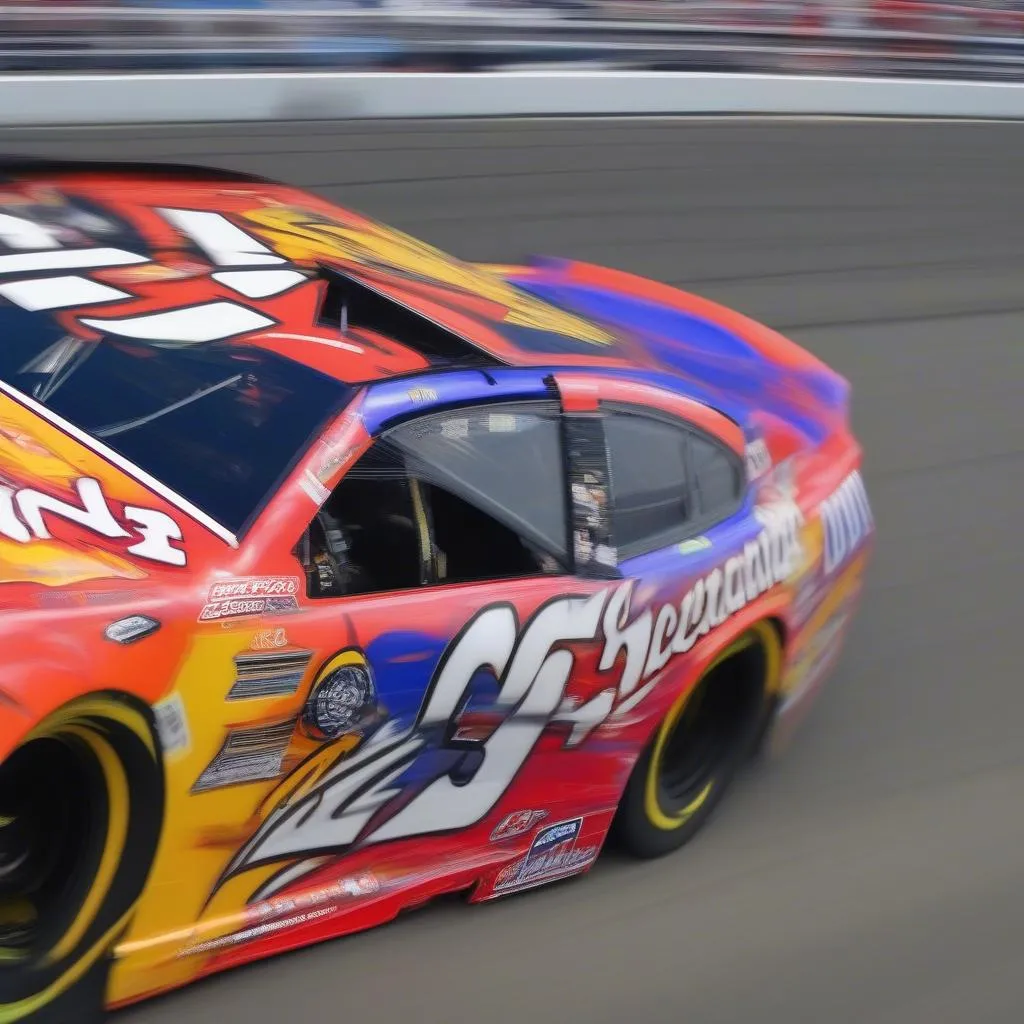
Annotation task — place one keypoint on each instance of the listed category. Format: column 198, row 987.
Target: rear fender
column 683, row 677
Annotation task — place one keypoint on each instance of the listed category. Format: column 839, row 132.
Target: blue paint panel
column 651, row 318
column 669, row 565
column 717, row 367
column 392, row 400
column 403, row 663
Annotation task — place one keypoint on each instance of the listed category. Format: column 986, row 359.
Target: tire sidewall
column 632, row 829
column 46, row 987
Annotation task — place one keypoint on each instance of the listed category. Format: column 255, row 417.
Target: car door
column 442, row 581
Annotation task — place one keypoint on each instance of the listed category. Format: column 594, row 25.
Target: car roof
column 182, row 255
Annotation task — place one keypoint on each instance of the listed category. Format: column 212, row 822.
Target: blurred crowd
column 976, row 37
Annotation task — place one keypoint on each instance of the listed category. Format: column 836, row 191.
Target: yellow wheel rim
column 762, row 633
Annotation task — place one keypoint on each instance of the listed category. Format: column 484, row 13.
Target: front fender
column 52, row 658
column 33, row 688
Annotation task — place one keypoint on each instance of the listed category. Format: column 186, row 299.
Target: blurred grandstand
column 975, row 39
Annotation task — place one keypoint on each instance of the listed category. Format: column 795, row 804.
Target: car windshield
column 219, row 423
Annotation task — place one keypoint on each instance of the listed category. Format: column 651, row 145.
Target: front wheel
column 700, row 746
column 81, row 810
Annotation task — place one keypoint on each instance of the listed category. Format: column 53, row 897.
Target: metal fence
column 975, row 40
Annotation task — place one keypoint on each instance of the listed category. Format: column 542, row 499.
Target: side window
column 717, row 478
column 666, row 480
column 461, row 496
column 494, row 489
column 650, row 489
column 367, row 538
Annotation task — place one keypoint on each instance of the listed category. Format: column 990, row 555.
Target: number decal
column 372, row 796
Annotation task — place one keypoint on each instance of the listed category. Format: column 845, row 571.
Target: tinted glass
column 716, row 476
column 647, row 459
column 505, row 460
column 218, row 423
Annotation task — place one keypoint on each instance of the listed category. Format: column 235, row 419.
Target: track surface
column 875, row 874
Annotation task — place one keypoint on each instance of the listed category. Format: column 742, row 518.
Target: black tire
column 699, row 747
column 81, row 811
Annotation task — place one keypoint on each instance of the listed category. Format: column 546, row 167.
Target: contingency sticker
column 552, row 855
column 172, row 725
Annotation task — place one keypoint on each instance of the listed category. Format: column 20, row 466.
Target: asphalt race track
column 876, row 873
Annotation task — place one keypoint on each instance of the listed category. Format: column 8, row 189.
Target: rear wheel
column 81, row 808
column 699, row 747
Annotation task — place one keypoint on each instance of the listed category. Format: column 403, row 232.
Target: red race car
column 337, row 574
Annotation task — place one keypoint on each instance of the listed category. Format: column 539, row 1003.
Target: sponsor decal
column 257, row 932
column 758, row 459
column 450, row 784
column 419, row 395
column 269, row 640
column 654, row 637
column 366, row 884
column 552, row 855
column 516, row 824
column 331, row 457
column 280, row 913
column 847, row 521
column 172, row 725
column 25, row 512
column 313, row 488
column 251, row 595
column 821, row 638
column 255, row 586
column 693, row 545
column 594, row 551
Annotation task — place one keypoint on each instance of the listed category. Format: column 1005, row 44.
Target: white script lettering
column 23, row 519
column 846, row 519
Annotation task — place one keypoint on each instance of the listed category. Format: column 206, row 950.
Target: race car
column 337, row 574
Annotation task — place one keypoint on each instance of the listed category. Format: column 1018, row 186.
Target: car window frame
column 701, row 522
column 415, row 484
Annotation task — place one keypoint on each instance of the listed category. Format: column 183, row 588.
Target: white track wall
column 54, row 100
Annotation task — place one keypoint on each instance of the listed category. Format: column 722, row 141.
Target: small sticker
column 172, row 725
column 553, row 855
column 695, row 544
column 362, row 885
column 456, row 429
column 516, row 824
column 759, row 459
column 251, row 595
column 255, row 586
column 501, row 423
column 422, row 395
column 314, row 489
column 268, row 640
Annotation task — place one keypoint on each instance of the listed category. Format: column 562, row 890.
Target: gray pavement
column 876, row 874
